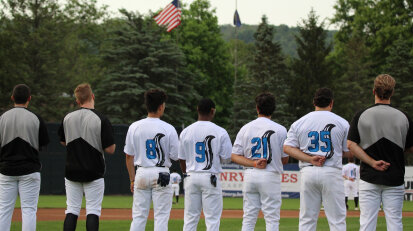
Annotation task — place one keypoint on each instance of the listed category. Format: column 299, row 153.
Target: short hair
column 351, row 159
column 153, row 99
column 21, row 93
column 83, row 93
column 384, row 86
column 205, row 106
column 323, row 97
column 265, row 103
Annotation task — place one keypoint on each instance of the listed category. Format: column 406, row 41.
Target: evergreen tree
column 399, row 64
column 139, row 59
column 268, row 70
column 353, row 87
column 311, row 69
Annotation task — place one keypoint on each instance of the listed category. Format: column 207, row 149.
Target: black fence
column 53, row 159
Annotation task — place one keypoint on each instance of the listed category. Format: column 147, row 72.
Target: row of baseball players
column 378, row 136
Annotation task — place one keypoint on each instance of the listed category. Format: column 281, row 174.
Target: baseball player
column 319, row 140
column 258, row 147
column 379, row 135
column 350, row 174
column 87, row 134
column 150, row 145
column 176, row 180
column 202, row 145
column 22, row 134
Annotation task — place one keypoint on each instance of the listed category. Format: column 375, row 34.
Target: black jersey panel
column 389, row 152
column 18, row 158
column 83, row 162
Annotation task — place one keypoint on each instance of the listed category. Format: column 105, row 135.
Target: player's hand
column 261, row 163
column 318, row 160
column 380, row 165
column 132, row 186
column 351, row 179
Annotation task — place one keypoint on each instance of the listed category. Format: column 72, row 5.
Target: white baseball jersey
column 320, row 133
column 202, row 144
column 175, row 178
column 152, row 142
column 351, row 170
column 262, row 138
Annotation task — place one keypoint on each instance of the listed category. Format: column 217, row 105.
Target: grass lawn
column 286, row 224
column 126, row 202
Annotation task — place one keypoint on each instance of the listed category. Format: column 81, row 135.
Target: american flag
column 170, row 16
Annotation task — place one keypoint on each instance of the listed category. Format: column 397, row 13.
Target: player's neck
column 381, row 101
column 89, row 105
column 154, row 115
column 21, row 104
column 322, row 108
column 204, row 118
column 264, row 116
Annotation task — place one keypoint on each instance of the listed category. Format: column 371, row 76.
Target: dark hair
column 323, row 97
column 265, row 103
column 153, row 99
column 351, row 160
column 205, row 106
column 21, row 93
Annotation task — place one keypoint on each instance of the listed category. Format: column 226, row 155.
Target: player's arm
column 131, row 170
column 182, row 163
column 300, row 155
column 357, row 151
column 409, row 150
column 284, row 160
column 347, row 154
column 110, row 149
column 241, row 160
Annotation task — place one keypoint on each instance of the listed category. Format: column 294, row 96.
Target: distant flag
column 170, row 16
column 237, row 20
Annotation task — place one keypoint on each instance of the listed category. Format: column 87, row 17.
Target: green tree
column 311, row 69
column 41, row 47
column 399, row 64
column 268, row 70
column 353, row 89
column 139, row 58
column 207, row 56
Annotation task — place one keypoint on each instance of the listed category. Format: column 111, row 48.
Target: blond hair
column 384, row 86
column 83, row 93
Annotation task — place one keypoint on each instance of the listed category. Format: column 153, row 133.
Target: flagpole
column 235, row 64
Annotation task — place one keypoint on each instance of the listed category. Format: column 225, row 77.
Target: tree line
column 53, row 46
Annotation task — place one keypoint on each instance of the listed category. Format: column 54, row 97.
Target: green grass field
column 226, row 224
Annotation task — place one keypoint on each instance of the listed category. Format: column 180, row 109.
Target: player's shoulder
column 341, row 120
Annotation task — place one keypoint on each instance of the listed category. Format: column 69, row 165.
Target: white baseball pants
column 322, row 184
column 28, row 186
column 351, row 188
column 261, row 190
column 93, row 190
column 147, row 189
column 175, row 189
column 200, row 193
column 371, row 195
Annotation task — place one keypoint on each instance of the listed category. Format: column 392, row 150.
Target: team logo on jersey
column 208, row 152
column 328, row 128
column 266, row 137
column 159, row 151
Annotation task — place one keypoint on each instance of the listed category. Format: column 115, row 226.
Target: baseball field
column 116, row 215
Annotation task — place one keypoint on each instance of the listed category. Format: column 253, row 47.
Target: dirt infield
column 126, row 214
